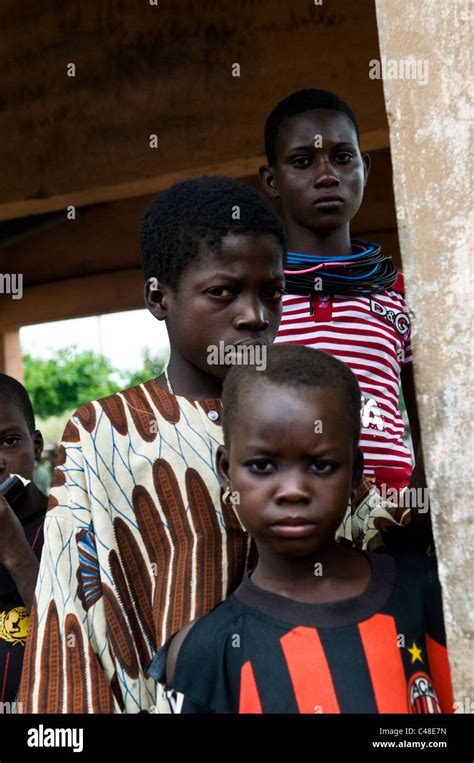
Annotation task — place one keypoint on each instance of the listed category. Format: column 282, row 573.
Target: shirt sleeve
column 177, row 703
column 69, row 664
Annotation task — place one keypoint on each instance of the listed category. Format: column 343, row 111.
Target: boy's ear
column 357, row 468
column 38, row 444
column 267, row 179
column 367, row 165
column 156, row 298
column 222, row 465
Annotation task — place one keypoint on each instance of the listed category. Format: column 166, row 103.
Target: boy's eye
column 323, row 467
column 262, row 466
column 220, row 291
column 301, row 161
column 344, row 157
column 274, row 292
column 10, row 441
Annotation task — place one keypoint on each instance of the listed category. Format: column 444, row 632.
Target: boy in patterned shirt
column 137, row 540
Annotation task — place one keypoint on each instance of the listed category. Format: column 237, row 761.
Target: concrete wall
column 429, row 129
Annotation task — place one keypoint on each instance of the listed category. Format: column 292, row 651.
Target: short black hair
column 309, row 99
column 200, row 211
column 292, row 365
column 11, row 391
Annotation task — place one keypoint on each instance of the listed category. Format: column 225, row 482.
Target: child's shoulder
column 198, row 638
column 175, row 648
column 132, row 399
column 113, row 405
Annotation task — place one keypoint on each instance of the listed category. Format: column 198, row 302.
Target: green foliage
column 66, row 381
column 152, row 367
column 74, row 377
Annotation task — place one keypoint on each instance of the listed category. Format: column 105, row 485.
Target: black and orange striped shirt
column 381, row 652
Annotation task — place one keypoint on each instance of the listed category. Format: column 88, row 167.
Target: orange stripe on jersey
column 309, row 671
column 249, row 701
column 439, row 668
column 384, row 660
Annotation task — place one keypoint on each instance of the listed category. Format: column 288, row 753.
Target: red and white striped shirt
column 371, row 334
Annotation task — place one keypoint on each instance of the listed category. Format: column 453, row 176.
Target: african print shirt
column 383, row 651
column 137, row 544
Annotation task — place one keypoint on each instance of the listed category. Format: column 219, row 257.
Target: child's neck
column 333, row 243
column 332, row 574
column 189, row 381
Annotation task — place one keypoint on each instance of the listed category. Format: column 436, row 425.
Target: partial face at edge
column 19, row 448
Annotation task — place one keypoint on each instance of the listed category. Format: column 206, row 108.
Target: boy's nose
column 252, row 316
column 324, row 175
column 293, row 490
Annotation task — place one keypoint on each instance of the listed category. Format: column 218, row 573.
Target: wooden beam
column 374, row 140
column 101, row 239
column 75, row 298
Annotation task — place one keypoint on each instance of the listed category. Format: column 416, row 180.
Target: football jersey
column 371, row 334
column 382, row 651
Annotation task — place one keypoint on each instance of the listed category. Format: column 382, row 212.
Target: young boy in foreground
column 316, row 627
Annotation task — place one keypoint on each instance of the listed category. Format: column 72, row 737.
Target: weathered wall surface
column 429, row 129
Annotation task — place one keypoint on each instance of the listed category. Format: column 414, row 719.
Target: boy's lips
column 293, row 527
column 328, row 201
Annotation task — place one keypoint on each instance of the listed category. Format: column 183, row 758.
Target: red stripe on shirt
column 309, row 671
column 385, row 664
column 249, row 701
column 439, row 667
